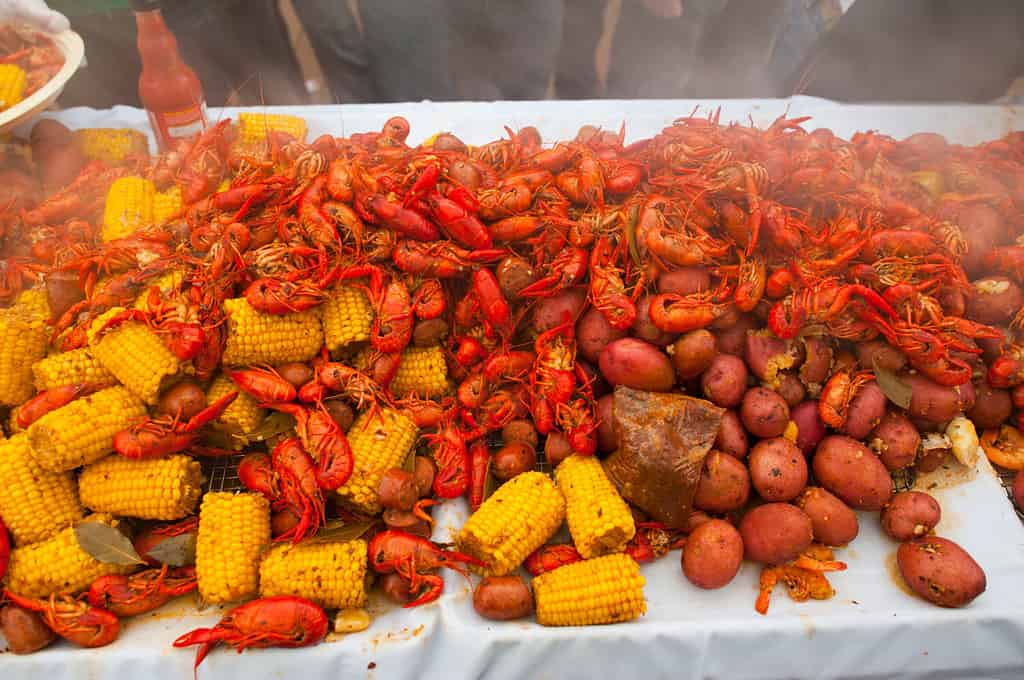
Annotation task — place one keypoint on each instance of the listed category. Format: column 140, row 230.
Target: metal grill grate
column 222, row 473
column 903, row 480
column 1006, row 479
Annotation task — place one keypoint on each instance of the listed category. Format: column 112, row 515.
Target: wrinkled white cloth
column 34, row 13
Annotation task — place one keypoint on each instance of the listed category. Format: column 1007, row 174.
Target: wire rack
column 1006, row 479
column 222, row 473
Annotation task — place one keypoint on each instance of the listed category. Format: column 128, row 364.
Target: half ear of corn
column 233, row 531
column 111, row 144
column 599, row 520
column 514, row 521
column 160, row 488
column 58, row 565
column 256, row 338
column 34, row 503
column 242, row 416
column 136, row 356
column 331, row 574
column 347, row 317
column 12, row 85
column 69, row 368
column 606, row 589
column 380, row 441
column 83, row 431
column 422, row 371
column 254, row 128
column 167, row 204
column 129, row 206
column 24, row 334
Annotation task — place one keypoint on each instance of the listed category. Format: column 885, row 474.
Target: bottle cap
column 145, row 5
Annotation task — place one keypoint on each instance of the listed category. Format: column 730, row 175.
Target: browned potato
column 429, row 332
column 991, row 407
column 817, row 361
column 398, row 490
column 778, row 470
column 404, row 520
column 696, row 518
column 520, row 431
column 297, row 373
column 1018, row 489
column 774, row 533
column 341, row 413
column 910, row 514
column 556, row 448
column 24, row 630
column 929, row 460
column 790, row 389
column 503, row 598
column 832, row 520
column 513, row 274
column 446, row 141
column 514, row 458
column 848, row 469
column 934, row 402
column 283, row 521
column 550, row 312
column 767, row 354
column 396, row 588
column 593, row 333
column 183, row 400
column 637, row 364
column 865, row 411
column 725, row 381
column 424, row 470
column 713, row 554
column 764, row 413
column 62, row 291
column 809, row 428
column 983, row 228
column 644, row 328
column 732, row 438
column 606, row 440
column 895, row 440
column 940, row 571
column 887, row 356
column 724, row 484
column 733, row 340
column 684, row 280
column 692, row 353
column 994, row 300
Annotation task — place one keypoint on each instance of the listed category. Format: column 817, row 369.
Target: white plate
column 71, row 46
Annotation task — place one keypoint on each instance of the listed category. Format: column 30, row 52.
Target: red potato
column 983, row 228
column 503, row 598
column 909, row 515
column 725, row 381
column 692, row 353
column 992, row 407
column 778, row 470
column 340, row 412
column 886, row 356
column 934, row 402
column 968, row 396
column 809, row 428
column 593, row 333
column 940, row 571
column 895, row 440
column 446, row 141
column 637, row 364
column 1017, row 396
column 283, row 521
column 713, row 554
column 424, row 470
column 764, row 413
column 766, row 354
column 832, row 520
column 606, row 440
column 644, row 328
column 724, row 484
column 865, row 411
column 551, row 311
column 814, row 370
column 24, row 630
column 732, row 438
column 398, row 489
column 62, row 291
column 429, row 332
column 994, row 300
column 396, row 587
column 512, row 459
column 790, row 389
column 952, row 300
column 684, row 280
column 520, row 431
column 592, row 375
column 848, row 469
column 183, row 400
column 733, row 340
column 556, row 448
column 297, row 373
column 696, row 518
column 513, row 274
column 775, row 533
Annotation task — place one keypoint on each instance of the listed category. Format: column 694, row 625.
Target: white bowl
column 71, row 46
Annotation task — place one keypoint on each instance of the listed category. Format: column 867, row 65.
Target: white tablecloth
column 870, row 629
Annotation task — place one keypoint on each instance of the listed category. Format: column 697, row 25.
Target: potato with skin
column 764, row 413
column 940, row 571
column 832, row 521
column 732, row 438
column 817, row 361
column 296, row 372
column 513, row 274
column 512, row 459
column 503, row 598
column 551, row 311
column 520, row 431
column 895, row 440
column 429, row 332
column 692, row 353
column 396, row 587
column 848, row 469
column 882, row 353
column 637, row 364
column 712, row 555
column 866, row 410
column 733, row 340
column 809, row 428
column 934, row 402
column 778, row 470
column 341, row 413
column 644, row 328
column 992, row 406
column 725, row 381
column 556, row 448
column 606, row 440
column 593, row 333
column 724, row 484
column 766, row 354
column 909, row 515
column 775, row 533
column 183, row 400
column 24, row 630
column 994, row 300
column 684, row 280
column 790, row 389
column 283, row 521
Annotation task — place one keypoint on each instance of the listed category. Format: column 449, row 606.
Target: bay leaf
column 491, row 483
column 274, row 424
column 338, row 531
column 897, row 391
column 175, row 551
column 105, row 543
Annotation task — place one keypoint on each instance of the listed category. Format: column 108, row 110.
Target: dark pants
column 576, row 74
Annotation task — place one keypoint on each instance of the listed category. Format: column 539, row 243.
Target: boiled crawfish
column 79, row 623
column 142, row 592
column 411, row 557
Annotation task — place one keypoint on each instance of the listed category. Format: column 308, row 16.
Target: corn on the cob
column 12, row 85
column 58, row 564
column 23, row 338
column 12, row 421
column 111, row 144
column 347, row 317
column 242, row 416
column 257, row 338
column 69, row 368
column 34, row 502
column 380, row 440
column 514, row 521
column 233, row 531
column 331, row 574
column 129, row 206
column 83, row 431
column 167, row 204
column 160, row 488
column 421, row 371
column 137, row 357
column 599, row 520
column 167, row 283
column 606, row 589
column 254, row 128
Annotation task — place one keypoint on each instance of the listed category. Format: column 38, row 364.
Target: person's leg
column 576, row 72
column 408, row 47
column 111, row 75
column 339, row 47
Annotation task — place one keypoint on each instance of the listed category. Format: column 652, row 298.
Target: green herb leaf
column 105, row 543
column 895, row 389
column 491, row 483
column 175, row 551
column 338, row 531
column 274, row 424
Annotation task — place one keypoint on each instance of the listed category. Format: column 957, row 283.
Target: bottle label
column 173, row 125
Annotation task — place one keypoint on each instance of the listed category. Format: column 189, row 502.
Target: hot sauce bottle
column 168, row 88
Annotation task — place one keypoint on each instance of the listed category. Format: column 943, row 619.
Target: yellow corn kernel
column 83, row 431
column 12, row 85
column 159, row 488
column 256, row 338
column 35, row 504
column 167, row 283
column 599, row 520
column 331, row 574
column 254, row 128
column 112, row 144
column 167, row 205
column 380, row 441
column 137, row 357
column 70, row 368
column 514, row 521
column 58, row 564
column 606, row 589
column 422, row 371
column 234, row 529
column 243, row 416
column 129, row 207
column 347, row 316
column 24, row 334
